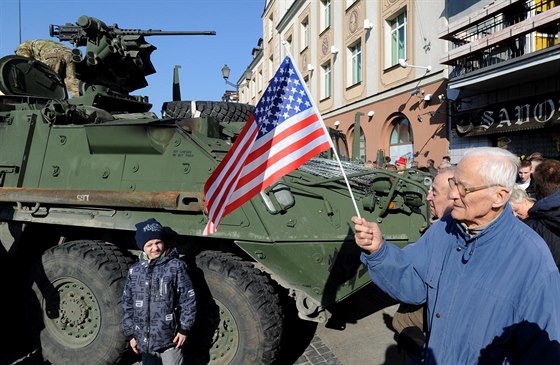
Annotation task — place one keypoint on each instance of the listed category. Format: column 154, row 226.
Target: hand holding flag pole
column 285, row 131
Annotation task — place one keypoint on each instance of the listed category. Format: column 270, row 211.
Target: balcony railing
column 501, row 32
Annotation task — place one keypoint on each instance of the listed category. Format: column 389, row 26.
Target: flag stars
column 283, row 99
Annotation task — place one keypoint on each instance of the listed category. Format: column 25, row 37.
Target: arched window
column 401, row 142
column 362, row 146
column 362, row 154
column 402, row 132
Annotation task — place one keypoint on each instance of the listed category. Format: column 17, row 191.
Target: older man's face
column 438, row 197
column 474, row 208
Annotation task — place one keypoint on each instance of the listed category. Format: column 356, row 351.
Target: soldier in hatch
column 55, row 55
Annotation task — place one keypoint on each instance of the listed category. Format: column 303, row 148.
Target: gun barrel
column 149, row 32
column 64, row 30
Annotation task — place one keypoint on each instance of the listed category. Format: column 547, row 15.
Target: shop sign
column 540, row 113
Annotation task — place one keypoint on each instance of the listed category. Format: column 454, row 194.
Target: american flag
column 285, row 131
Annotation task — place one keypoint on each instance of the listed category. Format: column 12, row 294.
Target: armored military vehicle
column 77, row 174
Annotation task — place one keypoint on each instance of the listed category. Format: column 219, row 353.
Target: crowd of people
column 482, row 285
column 402, row 164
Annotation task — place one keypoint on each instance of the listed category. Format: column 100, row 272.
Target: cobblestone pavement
column 317, row 353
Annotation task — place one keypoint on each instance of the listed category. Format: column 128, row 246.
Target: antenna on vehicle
column 19, row 20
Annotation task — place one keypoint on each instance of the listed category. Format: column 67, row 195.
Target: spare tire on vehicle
column 219, row 110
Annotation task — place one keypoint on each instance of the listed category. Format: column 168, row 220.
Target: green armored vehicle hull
column 77, row 174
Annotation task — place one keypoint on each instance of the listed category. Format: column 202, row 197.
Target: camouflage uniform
column 55, row 55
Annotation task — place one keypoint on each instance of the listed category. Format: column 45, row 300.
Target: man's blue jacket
column 491, row 299
column 158, row 302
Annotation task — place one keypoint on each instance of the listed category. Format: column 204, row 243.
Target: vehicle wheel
column 221, row 111
column 79, row 288
column 239, row 318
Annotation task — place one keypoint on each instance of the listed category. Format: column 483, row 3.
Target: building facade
column 372, row 68
column 494, row 77
column 504, row 75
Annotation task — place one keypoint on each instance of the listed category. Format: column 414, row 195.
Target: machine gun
column 116, row 59
column 77, row 35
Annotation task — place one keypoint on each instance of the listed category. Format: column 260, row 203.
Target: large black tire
column 78, row 286
column 221, row 111
column 239, row 318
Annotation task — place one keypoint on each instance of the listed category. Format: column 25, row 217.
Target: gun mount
column 116, row 60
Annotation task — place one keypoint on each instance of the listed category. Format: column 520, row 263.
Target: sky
column 237, row 23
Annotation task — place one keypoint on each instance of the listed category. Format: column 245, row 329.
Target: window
column 362, row 139
column 401, row 142
column 402, row 132
column 260, row 80
column 289, row 44
column 355, row 64
column 304, row 33
column 398, row 38
column 326, row 80
column 271, row 67
column 362, row 146
column 548, row 36
column 325, row 14
column 270, row 26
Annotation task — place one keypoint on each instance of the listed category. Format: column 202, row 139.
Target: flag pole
column 327, row 132
column 345, row 178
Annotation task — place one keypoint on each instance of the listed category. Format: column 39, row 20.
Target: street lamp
column 405, row 64
column 225, row 74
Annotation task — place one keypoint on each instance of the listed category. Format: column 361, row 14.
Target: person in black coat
column 544, row 216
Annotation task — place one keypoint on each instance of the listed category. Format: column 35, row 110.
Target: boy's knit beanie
column 146, row 231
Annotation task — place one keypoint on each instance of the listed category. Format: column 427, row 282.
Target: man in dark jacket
column 159, row 305
column 524, row 180
column 544, row 216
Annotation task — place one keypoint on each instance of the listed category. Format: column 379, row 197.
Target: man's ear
column 501, row 197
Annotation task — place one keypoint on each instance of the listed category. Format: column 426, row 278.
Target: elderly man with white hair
column 489, row 281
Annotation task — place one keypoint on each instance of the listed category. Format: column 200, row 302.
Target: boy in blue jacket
column 159, row 304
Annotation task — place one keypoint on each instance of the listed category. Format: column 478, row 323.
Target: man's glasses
column 463, row 191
